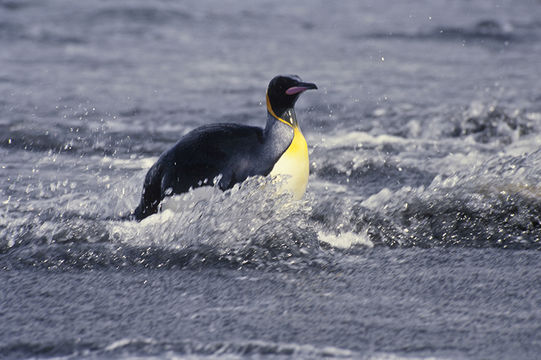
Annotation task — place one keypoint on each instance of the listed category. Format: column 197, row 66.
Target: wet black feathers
column 226, row 150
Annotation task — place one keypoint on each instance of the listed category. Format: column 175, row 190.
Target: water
column 418, row 237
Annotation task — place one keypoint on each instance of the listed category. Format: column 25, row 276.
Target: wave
column 84, row 130
column 497, row 205
column 12, row 31
column 353, row 203
column 411, row 192
column 78, row 139
column 150, row 348
column 139, row 14
column 493, row 123
column 90, row 20
column 17, row 5
column 398, row 127
column 373, row 174
column 247, row 226
column 483, row 31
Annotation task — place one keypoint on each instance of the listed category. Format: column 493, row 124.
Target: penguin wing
column 198, row 158
column 226, row 150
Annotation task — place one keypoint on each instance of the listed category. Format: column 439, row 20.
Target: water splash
column 497, row 204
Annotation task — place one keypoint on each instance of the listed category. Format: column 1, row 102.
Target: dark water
column 418, row 237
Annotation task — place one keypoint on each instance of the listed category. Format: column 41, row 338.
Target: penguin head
column 283, row 92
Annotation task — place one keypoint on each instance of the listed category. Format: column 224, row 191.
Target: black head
column 283, row 92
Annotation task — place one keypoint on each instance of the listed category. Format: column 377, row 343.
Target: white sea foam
column 235, row 219
column 345, row 240
column 132, row 163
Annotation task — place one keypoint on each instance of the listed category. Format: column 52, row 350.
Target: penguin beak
column 300, row 88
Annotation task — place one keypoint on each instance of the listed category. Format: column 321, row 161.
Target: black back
column 229, row 151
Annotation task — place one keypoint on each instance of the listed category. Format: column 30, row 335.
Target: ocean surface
column 419, row 236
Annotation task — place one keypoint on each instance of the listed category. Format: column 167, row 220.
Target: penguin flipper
column 152, row 194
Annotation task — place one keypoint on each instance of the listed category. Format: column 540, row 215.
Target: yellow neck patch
column 292, row 169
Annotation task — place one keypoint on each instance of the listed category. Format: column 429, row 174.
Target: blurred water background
column 418, row 237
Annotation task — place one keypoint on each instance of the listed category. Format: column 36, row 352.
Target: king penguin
column 230, row 153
